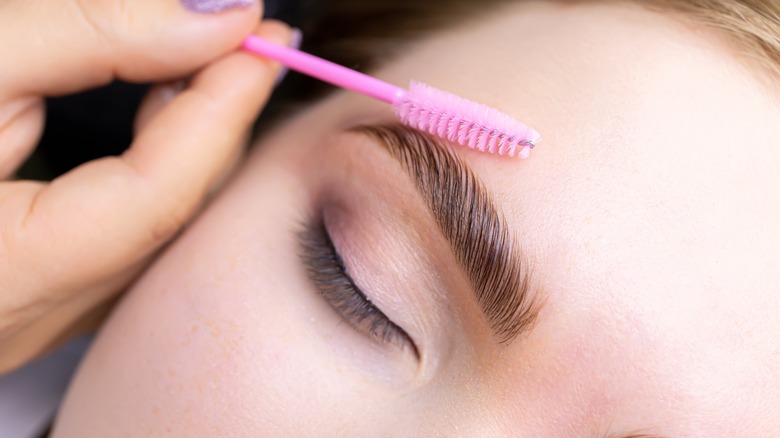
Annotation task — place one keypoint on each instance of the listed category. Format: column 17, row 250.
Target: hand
column 67, row 246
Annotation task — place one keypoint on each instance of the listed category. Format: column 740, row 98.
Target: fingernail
column 215, row 6
column 172, row 89
column 296, row 39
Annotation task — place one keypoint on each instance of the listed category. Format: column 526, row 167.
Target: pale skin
column 648, row 212
column 56, row 263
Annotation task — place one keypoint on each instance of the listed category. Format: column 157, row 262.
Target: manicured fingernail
column 215, row 6
column 170, row 90
column 296, row 38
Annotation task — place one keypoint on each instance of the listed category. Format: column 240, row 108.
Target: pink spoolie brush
column 421, row 106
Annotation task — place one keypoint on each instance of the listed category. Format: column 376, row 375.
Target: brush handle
column 324, row 70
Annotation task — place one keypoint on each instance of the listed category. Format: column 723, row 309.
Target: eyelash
column 327, row 272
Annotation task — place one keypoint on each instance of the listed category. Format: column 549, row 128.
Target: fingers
column 159, row 97
column 90, row 225
column 21, row 122
column 61, row 46
column 157, row 164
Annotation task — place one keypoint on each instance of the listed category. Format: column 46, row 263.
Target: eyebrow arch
column 469, row 219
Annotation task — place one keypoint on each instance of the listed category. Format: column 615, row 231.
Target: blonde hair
column 753, row 25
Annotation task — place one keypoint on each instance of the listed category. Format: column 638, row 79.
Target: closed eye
column 331, row 278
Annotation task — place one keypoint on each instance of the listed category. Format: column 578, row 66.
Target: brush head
column 463, row 121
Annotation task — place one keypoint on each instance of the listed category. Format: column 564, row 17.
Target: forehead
column 634, row 207
column 637, row 114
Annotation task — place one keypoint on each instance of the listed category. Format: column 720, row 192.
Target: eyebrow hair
column 469, row 219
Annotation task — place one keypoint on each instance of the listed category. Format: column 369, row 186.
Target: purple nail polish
column 215, row 6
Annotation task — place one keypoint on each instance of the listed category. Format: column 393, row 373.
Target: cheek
column 224, row 331
column 578, row 374
column 202, row 340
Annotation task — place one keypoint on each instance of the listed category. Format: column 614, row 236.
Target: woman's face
column 622, row 280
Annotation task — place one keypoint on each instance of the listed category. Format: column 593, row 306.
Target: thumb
column 64, row 46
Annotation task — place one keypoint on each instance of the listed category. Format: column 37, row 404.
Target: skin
column 50, row 232
column 646, row 211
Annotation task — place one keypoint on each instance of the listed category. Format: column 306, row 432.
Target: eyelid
column 328, row 272
column 474, row 226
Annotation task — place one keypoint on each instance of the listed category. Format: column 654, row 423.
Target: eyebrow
column 469, row 219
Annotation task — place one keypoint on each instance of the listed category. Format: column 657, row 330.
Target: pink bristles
column 463, row 121
column 421, row 107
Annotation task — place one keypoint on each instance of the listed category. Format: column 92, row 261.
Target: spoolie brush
column 421, row 107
